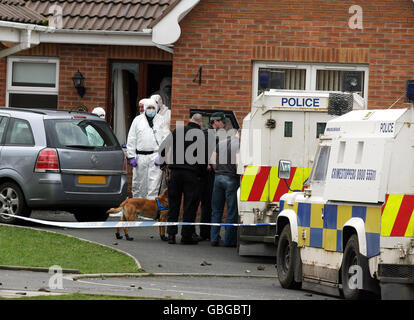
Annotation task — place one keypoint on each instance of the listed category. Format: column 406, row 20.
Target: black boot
column 171, row 239
column 189, row 240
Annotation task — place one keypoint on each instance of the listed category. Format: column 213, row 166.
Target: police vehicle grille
column 258, row 230
column 396, row 270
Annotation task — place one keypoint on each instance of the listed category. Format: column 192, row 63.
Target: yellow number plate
column 91, row 179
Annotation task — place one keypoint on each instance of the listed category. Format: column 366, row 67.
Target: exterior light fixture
column 78, row 82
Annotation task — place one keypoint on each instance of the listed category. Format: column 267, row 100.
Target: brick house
column 215, row 51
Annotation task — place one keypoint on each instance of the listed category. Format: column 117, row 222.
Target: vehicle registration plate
column 91, row 179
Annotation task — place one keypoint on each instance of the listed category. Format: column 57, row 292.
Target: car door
column 18, row 153
column 3, row 124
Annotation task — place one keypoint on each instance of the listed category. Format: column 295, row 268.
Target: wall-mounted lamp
column 78, row 82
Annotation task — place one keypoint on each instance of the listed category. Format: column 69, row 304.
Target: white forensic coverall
column 163, row 110
column 141, row 137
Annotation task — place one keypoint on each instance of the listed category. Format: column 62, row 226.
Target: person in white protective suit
column 141, row 106
column 94, row 138
column 144, row 138
column 163, row 110
column 165, row 91
column 100, row 112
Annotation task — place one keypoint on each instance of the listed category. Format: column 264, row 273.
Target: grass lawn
column 33, row 248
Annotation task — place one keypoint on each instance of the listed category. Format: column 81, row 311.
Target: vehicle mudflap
column 368, row 283
column 297, row 263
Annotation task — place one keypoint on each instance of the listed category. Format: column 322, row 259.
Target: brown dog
column 147, row 208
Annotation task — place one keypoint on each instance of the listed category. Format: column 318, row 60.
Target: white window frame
column 30, row 90
column 311, row 71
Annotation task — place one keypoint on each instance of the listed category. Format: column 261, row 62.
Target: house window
column 32, row 82
column 310, row 77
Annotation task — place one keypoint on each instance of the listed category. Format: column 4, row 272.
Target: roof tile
column 17, row 11
column 110, row 15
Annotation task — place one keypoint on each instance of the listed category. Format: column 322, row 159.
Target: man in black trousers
column 217, row 122
column 186, row 160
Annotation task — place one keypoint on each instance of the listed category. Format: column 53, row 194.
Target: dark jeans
column 225, row 191
column 187, row 183
column 206, row 193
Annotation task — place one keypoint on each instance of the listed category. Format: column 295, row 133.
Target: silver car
column 59, row 160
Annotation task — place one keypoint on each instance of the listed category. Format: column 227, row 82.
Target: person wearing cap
column 226, row 184
column 144, row 138
column 216, row 125
column 165, row 91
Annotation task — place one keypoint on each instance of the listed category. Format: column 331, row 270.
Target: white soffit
column 167, row 31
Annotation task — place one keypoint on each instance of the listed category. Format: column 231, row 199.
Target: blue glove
column 157, row 161
column 133, row 162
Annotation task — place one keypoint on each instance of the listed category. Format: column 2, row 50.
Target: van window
column 19, row 133
column 320, row 129
column 81, row 134
column 288, row 129
column 321, row 165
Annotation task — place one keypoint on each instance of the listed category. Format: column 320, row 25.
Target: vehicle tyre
column 12, row 201
column 91, row 215
column 285, row 261
column 351, row 257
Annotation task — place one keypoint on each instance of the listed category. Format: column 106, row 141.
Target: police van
column 351, row 230
column 281, row 125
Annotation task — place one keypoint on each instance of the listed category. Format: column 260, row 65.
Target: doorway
column 132, row 81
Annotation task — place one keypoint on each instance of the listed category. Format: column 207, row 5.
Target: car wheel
column 91, row 214
column 12, row 202
column 285, row 261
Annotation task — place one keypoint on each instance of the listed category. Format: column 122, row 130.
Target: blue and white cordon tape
column 130, row 224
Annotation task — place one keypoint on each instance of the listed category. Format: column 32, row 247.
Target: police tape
column 130, row 224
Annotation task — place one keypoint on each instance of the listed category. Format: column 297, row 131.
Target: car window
column 3, row 122
column 81, row 134
column 19, row 133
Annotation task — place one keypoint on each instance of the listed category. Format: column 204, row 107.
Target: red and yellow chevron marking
column 397, row 218
column 261, row 183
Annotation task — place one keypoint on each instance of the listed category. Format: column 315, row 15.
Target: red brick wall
column 226, row 36
column 92, row 61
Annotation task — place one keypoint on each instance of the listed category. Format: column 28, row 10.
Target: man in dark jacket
column 186, row 160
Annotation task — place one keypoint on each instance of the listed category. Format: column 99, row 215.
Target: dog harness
column 160, row 207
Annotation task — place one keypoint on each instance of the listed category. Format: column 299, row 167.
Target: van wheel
column 91, row 214
column 351, row 258
column 285, row 261
column 12, row 202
